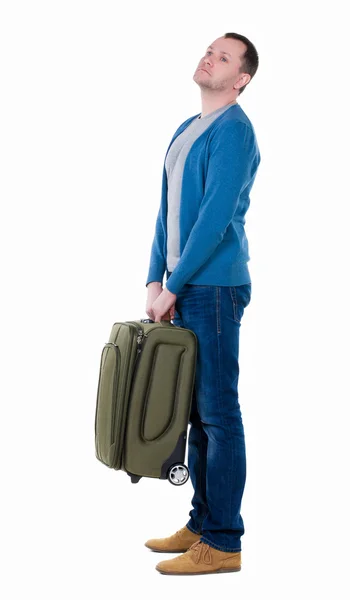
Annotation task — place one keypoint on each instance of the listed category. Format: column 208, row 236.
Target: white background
column 92, row 93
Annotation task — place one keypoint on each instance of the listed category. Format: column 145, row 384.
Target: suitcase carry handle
column 162, row 322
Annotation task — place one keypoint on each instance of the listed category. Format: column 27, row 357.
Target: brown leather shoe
column 201, row 559
column 178, row 542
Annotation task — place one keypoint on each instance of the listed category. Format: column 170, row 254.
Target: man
column 210, row 167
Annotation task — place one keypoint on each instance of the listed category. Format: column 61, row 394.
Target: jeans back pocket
column 241, row 296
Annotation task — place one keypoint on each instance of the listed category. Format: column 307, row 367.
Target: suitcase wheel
column 178, row 474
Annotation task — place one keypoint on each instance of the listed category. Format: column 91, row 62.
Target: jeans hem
column 217, row 547
column 193, row 531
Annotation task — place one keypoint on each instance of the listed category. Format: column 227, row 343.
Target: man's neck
column 210, row 104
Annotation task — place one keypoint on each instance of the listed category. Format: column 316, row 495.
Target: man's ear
column 243, row 80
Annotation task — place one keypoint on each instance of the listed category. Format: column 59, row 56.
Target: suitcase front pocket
column 107, row 400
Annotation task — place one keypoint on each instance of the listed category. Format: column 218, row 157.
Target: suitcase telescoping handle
column 162, row 322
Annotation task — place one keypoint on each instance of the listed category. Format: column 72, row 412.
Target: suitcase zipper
column 115, row 387
column 116, row 377
column 141, row 335
column 139, row 339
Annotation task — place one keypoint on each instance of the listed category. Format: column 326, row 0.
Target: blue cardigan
column 218, row 175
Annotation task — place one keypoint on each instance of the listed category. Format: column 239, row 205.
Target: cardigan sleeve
column 157, row 264
column 231, row 166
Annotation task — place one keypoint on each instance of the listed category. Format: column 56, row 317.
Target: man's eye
column 210, row 52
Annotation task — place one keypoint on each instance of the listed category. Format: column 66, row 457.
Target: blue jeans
column 216, row 443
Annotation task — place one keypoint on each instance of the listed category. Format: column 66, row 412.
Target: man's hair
column 250, row 58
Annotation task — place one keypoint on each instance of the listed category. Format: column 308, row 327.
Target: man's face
column 222, row 61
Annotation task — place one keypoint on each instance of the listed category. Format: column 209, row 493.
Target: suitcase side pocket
column 106, row 402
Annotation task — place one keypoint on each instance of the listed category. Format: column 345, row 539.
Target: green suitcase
column 144, row 395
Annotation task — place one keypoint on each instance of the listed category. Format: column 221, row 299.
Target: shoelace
column 201, row 550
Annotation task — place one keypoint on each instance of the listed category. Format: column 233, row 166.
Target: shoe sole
column 167, row 551
column 201, row 572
